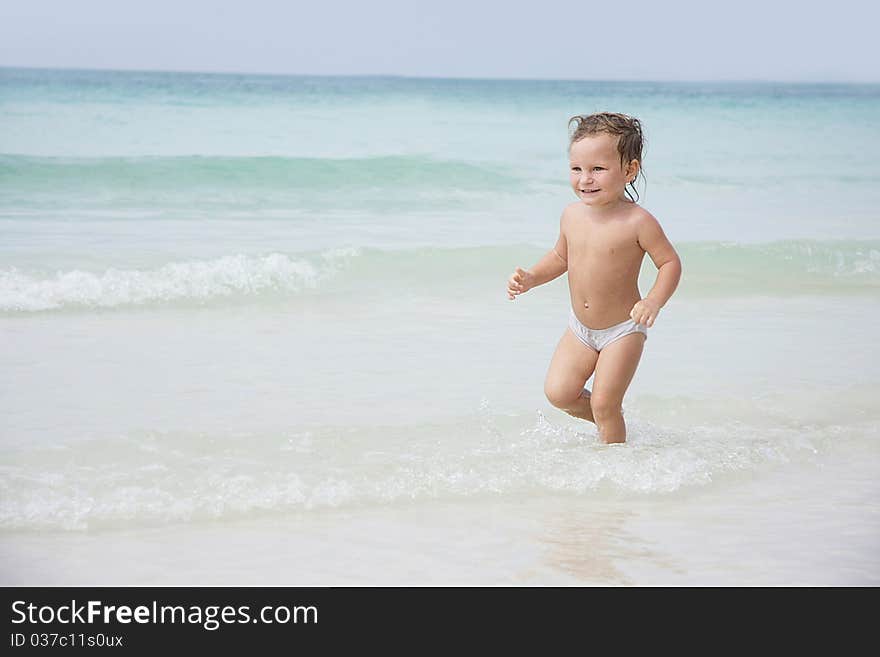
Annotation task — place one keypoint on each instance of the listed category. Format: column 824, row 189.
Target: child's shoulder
column 572, row 208
column 569, row 212
column 648, row 230
column 641, row 217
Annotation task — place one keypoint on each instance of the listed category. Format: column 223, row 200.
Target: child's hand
column 645, row 312
column 521, row 281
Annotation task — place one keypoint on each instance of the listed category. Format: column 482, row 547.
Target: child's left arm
column 653, row 240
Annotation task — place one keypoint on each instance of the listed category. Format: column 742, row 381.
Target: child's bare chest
column 604, row 242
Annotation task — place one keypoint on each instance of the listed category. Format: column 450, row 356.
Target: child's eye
column 598, row 168
column 575, row 168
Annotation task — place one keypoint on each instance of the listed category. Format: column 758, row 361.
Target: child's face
column 597, row 175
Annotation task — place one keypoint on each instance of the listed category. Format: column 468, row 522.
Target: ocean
column 254, row 329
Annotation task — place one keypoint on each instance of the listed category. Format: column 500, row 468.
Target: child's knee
column 604, row 407
column 559, row 396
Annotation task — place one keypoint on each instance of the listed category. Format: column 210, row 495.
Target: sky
column 537, row 39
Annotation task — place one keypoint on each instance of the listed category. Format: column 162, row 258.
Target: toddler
column 603, row 237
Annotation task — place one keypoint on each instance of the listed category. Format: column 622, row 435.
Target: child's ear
column 632, row 169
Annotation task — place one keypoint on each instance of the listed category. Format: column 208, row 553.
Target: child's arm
column 653, row 240
column 552, row 265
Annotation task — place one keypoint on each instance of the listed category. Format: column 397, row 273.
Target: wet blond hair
column 627, row 129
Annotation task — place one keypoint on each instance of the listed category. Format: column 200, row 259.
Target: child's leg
column 572, row 364
column 614, row 370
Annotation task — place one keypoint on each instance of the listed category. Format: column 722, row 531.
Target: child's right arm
column 552, row 265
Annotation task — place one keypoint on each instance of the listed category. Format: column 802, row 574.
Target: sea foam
column 198, row 281
column 162, row 477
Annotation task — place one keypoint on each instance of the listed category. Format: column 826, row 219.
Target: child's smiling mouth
column 589, row 191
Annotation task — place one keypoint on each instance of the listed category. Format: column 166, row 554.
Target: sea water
column 254, row 329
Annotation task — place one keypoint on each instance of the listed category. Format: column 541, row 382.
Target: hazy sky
column 632, row 39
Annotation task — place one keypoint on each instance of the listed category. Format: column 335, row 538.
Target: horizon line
column 446, row 77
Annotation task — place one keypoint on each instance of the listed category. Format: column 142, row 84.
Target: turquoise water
column 245, row 296
column 723, row 162
column 783, row 269
column 142, row 178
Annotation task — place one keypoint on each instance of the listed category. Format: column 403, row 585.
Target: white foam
column 195, row 280
column 161, row 478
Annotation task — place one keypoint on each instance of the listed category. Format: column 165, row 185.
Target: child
column 603, row 238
